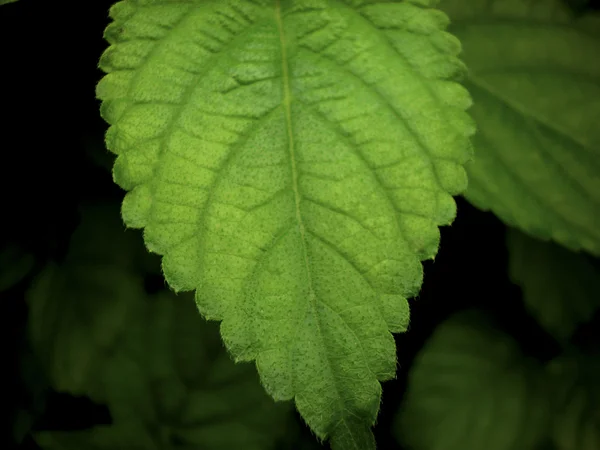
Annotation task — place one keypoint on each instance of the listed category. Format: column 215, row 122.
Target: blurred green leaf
column 78, row 309
column 561, row 288
column 171, row 382
column 173, row 374
column 534, row 75
column 577, row 394
column 472, row 389
column 300, row 437
column 112, row 437
column 16, row 265
column 33, row 389
column 161, row 369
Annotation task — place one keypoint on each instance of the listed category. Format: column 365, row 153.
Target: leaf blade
column 267, row 186
column 576, row 418
column 78, row 309
column 533, row 74
column 560, row 287
column 172, row 374
column 471, row 388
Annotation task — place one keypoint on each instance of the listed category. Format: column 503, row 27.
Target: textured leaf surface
column 292, row 161
column 472, row 389
column 560, row 287
column 534, row 74
column 577, row 421
column 171, row 382
column 78, row 309
column 4, row 2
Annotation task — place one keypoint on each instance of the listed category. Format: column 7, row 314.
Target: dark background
column 52, row 132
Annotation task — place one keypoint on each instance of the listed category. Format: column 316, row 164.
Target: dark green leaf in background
column 15, row 264
column 153, row 360
column 113, row 437
column 79, row 309
column 560, row 288
column 577, row 397
column 171, row 383
column 470, row 388
column 534, row 74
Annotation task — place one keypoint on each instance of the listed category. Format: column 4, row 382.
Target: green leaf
column 171, row 382
column 114, row 437
column 174, row 373
column 471, row 389
column 561, row 288
column 16, row 264
column 292, row 162
column 577, row 419
column 4, row 2
column 33, row 392
column 79, row 309
column 534, row 74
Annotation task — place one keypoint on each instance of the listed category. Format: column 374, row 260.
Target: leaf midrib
column 287, row 99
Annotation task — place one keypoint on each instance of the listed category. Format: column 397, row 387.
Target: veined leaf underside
column 292, row 162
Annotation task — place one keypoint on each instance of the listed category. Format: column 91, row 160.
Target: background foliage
column 502, row 351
